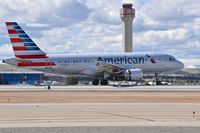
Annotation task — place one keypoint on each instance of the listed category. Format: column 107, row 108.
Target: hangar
column 10, row 75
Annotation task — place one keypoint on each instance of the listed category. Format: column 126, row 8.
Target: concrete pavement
column 138, row 109
column 99, row 112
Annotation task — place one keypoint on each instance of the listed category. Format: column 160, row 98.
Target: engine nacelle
column 133, row 74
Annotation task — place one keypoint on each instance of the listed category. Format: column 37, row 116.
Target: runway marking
column 124, row 116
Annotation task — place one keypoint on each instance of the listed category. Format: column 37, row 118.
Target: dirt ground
column 98, row 97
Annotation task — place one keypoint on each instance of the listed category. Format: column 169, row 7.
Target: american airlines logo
column 122, row 60
column 151, row 59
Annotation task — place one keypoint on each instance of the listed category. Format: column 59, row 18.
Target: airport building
column 20, row 77
column 10, row 75
column 187, row 76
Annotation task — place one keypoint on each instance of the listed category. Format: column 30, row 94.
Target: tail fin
column 27, row 53
column 23, row 45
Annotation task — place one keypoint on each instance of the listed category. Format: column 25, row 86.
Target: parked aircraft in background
column 124, row 66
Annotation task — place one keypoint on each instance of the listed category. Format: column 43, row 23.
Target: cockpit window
column 172, row 59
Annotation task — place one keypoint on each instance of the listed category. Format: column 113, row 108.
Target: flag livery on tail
column 25, row 49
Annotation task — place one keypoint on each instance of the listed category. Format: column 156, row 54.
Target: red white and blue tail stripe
column 25, row 49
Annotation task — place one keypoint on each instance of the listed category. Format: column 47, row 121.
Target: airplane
column 116, row 66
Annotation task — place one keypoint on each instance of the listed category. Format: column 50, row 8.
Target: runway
column 100, row 118
column 100, row 109
column 100, row 94
column 101, row 113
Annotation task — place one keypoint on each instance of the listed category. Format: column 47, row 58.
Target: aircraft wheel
column 158, row 83
column 95, row 82
column 48, row 87
column 104, row 82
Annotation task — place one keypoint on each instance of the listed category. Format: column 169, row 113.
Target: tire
column 95, row 82
column 158, row 83
column 48, row 87
column 104, row 82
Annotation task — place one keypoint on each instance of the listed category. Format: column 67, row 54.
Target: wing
column 102, row 66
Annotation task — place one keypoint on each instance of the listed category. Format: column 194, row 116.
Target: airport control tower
column 127, row 14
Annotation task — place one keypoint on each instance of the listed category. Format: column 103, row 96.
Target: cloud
column 167, row 14
column 57, row 12
column 188, row 62
column 158, row 37
column 6, row 51
column 94, row 26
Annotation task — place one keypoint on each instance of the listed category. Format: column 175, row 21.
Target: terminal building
column 10, row 75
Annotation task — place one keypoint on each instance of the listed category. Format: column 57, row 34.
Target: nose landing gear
column 158, row 82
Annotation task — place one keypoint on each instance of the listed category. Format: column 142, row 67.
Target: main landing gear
column 95, row 82
column 102, row 82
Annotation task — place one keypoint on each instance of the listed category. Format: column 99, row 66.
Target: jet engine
column 133, row 74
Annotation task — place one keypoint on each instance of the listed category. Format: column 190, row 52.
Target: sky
column 94, row 26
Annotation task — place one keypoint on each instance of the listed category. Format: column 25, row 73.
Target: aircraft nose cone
column 180, row 65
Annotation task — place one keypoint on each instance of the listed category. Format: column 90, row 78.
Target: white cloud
column 6, row 51
column 59, row 12
column 188, row 62
column 84, row 26
column 167, row 37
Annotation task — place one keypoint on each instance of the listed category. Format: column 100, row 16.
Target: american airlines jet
column 124, row 66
